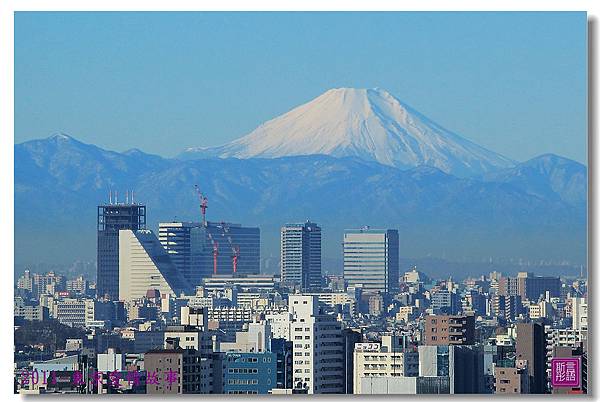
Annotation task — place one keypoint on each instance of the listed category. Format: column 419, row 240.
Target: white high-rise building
column 144, row 264
column 318, row 347
column 579, row 308
column 301, row 254
column 371, row 259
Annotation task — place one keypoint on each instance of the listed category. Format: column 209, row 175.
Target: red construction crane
column 203, row 204
column 215, row 245
column 235, row 250
column 215, row 255
column 235, row 256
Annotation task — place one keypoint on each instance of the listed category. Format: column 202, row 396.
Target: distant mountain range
column 367, row 123
column 379, row 163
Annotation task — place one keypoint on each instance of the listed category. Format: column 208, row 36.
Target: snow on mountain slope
column 367, row 123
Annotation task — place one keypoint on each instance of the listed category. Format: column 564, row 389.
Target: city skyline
column 301, row 203
column 551, row 188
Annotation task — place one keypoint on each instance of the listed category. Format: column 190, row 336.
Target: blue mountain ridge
column 536, row 209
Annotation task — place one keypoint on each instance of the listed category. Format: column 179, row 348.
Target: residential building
column 178, row 371
column 25, row 281
column 511, row 380
column 449, row 330
column 188, row 337
column 318, row 347
column 77, row 285
column 256, row 338
column 386, row 359
column 444, row 301
column 579, row 313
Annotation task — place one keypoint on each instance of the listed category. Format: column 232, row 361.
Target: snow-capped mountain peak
column 367, row 123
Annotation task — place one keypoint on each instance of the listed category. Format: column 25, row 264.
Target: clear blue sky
column 513, row 82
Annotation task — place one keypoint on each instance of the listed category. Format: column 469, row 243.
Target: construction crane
column 235, row 255
column 215, row 255
column 203, row 204
column 235, row 250
column 215, row 245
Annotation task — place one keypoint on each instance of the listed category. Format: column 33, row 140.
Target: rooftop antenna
column 132, row 192
column 126, row 196
column 110, row 196
column 116, row 197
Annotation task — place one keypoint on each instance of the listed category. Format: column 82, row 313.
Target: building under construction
column 202, row 249
column 111, row 218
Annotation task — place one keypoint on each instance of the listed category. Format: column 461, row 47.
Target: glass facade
column 191, row 247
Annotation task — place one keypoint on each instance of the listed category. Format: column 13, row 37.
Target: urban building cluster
column 187, row 310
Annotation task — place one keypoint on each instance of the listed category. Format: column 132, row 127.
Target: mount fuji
column 370, row 124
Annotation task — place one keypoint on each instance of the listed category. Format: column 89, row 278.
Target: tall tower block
column 111, row 218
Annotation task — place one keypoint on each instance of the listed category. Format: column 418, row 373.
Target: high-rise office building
column 301, row 254
column 194, row 247
column 144, row 265
column 371, row 259
column 111, row 219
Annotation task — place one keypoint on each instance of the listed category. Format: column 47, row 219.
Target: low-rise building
column 385, row 359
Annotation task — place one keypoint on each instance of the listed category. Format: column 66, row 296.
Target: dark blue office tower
column 113, row 217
